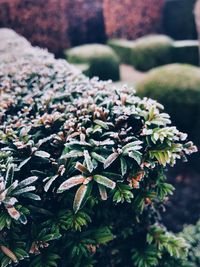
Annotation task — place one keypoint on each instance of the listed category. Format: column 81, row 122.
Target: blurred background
column 151, row 45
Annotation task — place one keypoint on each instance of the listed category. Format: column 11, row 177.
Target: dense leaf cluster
column 81, row 167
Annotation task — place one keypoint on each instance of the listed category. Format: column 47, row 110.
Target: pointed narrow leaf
column 98, row 157
column 80, row 194
column 6, row 251
column 9, row 174
column 88, row 161
column 104, row 181
column 23, row 163
column 27, row 181
column 102, row 124
column 23, row 190
column 123, row 166
column 49, row 183
column 42, row 154
column 71, row 182
column 137, row 156
column 110, row 159
column 32, row 196
column 102, row 192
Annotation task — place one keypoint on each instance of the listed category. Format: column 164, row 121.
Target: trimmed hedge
column 177, row 87
column 151, row 51
column 123, row 48
column 191, row 233
column 102, row 60
column 186, row 51
column 155, row 50
column 82, row 169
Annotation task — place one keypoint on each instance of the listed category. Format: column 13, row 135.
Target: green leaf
column 110, row 159
column 42, row 154
column 88, row 161
column 102, row 191
column 9, row 175
column 123, row 166
column 104, row 181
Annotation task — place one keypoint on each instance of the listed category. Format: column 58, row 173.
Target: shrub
column 177, row 87
column 132, row 19
column 152, row 51
column 102, row 60
column 186, row 52
column 191, row 234
column 123, row 49
column 82, row 166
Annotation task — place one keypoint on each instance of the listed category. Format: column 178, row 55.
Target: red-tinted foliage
column 42, row 22
column 132, row 18
column 58, row 24
column 55, row 24
column 86, row 24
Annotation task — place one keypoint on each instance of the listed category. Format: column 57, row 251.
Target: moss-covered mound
column 123, row 49
column 176, row 86
column 102, row 60
column 152, row 51
column 186, row 51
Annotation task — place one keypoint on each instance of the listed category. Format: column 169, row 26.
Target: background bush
column 82, row 166
column 151, row 51
column 177, row 87
column 123, row 49
column 191, row 234
column 102, row 60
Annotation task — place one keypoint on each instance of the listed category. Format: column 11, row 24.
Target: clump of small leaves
column 82, row 171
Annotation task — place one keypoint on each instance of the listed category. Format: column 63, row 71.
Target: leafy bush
column 132, row 19
column 186, row 52
column 152, row 51
column 82, row 166
column 123, row 49
column 177, row 87
column 102, row 60
column 191, row 234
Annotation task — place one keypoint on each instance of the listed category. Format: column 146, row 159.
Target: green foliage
column 82, row 169
column 101, row 59
column 123, row 49
column 151, row 51
column 177, row 87
column 144, row 53
column 191, row 234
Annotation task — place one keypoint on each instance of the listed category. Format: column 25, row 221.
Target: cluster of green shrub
column 151, row 51
column 177, row 87
column 82, row 169
column 95, row 60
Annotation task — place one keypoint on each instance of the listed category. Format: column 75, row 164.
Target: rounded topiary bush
column 151, row 51
column 82, row 170
column 191, row 233
column 177, row 87
column 123, row 49
column 102, row 60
